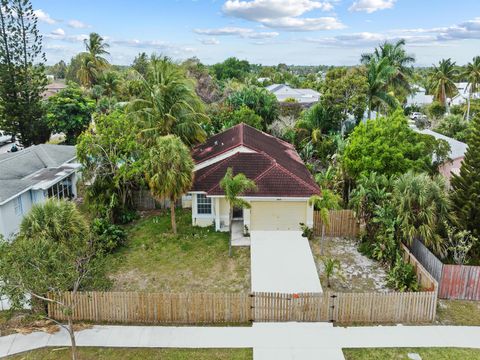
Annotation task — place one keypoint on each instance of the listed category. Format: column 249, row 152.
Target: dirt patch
column 358, row 273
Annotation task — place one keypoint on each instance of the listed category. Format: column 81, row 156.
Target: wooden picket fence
column 196, row 308
column 342, row 223
column 138, row 307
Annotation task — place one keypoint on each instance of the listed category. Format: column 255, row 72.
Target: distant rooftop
column 303, row 96
column 33, row 166
column 457, row 148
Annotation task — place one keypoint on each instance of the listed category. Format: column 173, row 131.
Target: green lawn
column 458, row 312
column 400, row 354
column 196, row 260
column 134, row 354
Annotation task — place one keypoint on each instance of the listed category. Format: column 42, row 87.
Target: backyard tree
column 260, row 100
column 387, row 146
column 325, row 202
column 53, row 253
column 70, row 111
column 233, row 187
column 110, row 154
column 466, row 186
column 168, row 104
column 22, row 75
column 379, row 76
column 423, row 205
column 169, row 171
column 472, row 73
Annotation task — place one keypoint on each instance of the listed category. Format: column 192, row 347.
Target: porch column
column 217, row 214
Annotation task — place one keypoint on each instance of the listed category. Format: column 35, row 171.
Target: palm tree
column 110, row 82
column 92, row 61
column 442, row 80
column 96, row 46
column 379, row 75
column 324, row 203
column 472, row 74
column 330, row 267
column 312, row 124
column 233, row 186
column 422, row 204
column 169, row 171
column 399, row 59
column 54, row 219
column 169, row 104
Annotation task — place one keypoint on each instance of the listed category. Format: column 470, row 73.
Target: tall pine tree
column 22, row 75
column 466, row 186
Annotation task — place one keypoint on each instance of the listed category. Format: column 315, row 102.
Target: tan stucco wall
column 278, row 215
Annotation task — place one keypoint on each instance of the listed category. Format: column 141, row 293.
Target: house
column 31, row 176
column 457, row 153
column 463, row 89
column 305, row 97
column 53, row 88
column 284, row 185
column 419, row 97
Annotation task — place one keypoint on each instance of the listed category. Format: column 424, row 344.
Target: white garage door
column 277, row 215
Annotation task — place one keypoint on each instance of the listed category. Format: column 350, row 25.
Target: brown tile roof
column 275, row 166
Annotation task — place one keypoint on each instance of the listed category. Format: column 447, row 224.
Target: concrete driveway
column 281, row 261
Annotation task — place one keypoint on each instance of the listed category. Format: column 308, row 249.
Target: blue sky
column 309, row 32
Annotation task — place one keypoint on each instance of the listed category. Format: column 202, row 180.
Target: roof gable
column 275, row 165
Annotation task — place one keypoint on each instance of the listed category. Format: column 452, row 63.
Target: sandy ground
column 358, row 273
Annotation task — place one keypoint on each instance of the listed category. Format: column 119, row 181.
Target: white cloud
column 209, row 41
column 416, row 37
column 58, row 32
column 370, row 6
column 44, row 17
column 237, row 31
column 284, row 14
column 257, row 10
column 77, row 24
column 305, row 24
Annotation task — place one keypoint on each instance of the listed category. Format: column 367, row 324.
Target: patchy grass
column 400, row 354
column 458, row 312
column 196, row 260
column 358, row 272
column 133, row 354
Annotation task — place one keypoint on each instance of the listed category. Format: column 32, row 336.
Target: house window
column 204, row 204
column 18, row 206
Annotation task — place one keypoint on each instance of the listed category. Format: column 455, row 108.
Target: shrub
column 402, row 276
column 109, row 236
column 307, row 231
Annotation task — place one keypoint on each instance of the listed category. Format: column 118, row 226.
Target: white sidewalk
column 269, row 340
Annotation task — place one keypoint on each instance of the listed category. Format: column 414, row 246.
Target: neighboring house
column 419, row 97
column 457, row 153
column 284, row 185
column 306, row 97
column 31, row 176
column 463, row 93
column 53, row 88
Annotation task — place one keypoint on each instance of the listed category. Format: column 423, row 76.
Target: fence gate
column 304, row 307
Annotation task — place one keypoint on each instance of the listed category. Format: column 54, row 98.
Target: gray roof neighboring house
column 419, row 97
column 457, row 148
column 34, row 167
column 302, row 96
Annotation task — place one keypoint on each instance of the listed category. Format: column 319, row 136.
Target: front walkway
column 281, row 261
column 269, row 340
column 238, row 239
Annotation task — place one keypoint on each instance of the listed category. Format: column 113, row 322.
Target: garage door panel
column 277, row 215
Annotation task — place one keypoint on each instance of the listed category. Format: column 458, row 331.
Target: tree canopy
column 387, row 146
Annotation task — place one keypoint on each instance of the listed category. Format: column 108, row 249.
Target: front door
column 237, row 212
